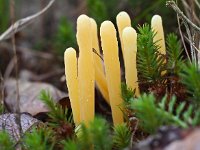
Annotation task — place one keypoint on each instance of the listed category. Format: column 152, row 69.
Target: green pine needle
column 190, row 77
column 122, row 136
column 84, row 138
column 174, row 51
column 152, row 115
column 127, row 93
column 71, row 145
column 57, row 114
column 99, row 137
column 96, row 135
column 38, row 139
column 149, row 60
column 100, row 134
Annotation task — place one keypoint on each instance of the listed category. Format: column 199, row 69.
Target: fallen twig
column 182, row 39
column 190, row 13
column 173, row 5
column 198, row 50
column 22, row 23
column 94, row 50
column 12, row 16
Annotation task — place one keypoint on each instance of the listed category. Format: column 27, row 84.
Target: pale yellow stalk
column 112, row 69
column 70, row 61
column 129, row 37
column 99, row 70
column 123, row 21
column 157, row 27
column 86, row 70
column 159, row 38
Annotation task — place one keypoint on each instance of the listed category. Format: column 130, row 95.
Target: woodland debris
column 8, row 123
column 29, row 96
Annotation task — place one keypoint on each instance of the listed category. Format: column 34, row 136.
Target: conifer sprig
column 127, row 93
column 122, row 136
column 98, row 135
column 152, row 115
column 38, row 139
column 190, row 77
column 83, row 138
column 174, row 51
column 149, row 60
column 57, row 114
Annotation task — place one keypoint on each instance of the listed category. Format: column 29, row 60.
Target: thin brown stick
column 1, row 91
column 173, row 5
column 12, row 15
column 182, row 39
column 192, row 36
column 191, row 41
column 22, row 23
column 94, row 50
column 9, row 68
column 198, row 50
column 190, row 13
column 189, row 24
column 186, row 9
